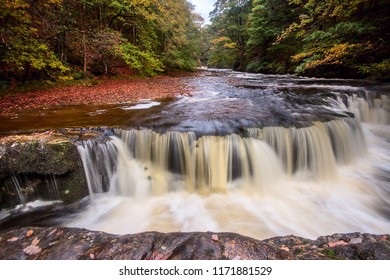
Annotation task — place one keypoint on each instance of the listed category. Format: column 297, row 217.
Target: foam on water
column 284, row 203
column 325, row 176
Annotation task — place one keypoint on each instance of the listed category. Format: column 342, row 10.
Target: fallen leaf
column 13, row 239
column 214, row 237
column 35, row 241
column 32, row 250
column 92, row 256
column 29, row 233
column 51, row 233
column 285, row 248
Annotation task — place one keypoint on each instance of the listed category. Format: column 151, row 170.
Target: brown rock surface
column 69, row 243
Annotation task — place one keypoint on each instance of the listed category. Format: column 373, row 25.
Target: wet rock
column 44, row 216
column 69, row 243
column 56, row 243
column 351, row 246
column 43, row 165
column 40, row 153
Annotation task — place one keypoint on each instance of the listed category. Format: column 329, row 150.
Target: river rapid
column 254, row 154
column 259, row 155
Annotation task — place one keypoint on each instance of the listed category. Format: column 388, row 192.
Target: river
column 259, row 155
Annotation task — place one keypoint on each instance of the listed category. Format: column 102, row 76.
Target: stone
column 38, row 160
column 56, row 243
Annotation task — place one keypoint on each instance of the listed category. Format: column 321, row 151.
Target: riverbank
column 98, row 92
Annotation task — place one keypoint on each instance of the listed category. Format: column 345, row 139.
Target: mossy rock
column 34, row 159
column 38, row 156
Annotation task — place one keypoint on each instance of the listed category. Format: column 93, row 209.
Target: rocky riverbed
column 42, row 132
column 56, row 243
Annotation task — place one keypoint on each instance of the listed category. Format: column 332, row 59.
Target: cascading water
column 18, row 189
column 329, row 175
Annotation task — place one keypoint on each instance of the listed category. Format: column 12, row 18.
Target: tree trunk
column 84, row 54
column 84, row 41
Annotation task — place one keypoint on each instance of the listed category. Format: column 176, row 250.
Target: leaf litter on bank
column 106, row 92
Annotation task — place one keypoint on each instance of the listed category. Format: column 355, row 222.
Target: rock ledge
column 55, row 243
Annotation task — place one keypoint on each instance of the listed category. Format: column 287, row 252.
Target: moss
column 38, row 156
column 72, row 186
column 329, row 253
column 297, row 251
column 41, row 158
column 209, row 252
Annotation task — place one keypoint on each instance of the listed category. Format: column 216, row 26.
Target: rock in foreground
column 69, row 243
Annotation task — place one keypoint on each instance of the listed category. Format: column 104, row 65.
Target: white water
column 146, row 105
column 330, row 177
column 282, row 205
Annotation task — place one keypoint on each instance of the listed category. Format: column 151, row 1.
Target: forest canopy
column 67, row 39
column 334, row 38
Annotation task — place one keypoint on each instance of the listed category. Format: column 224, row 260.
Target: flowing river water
column 255, row 154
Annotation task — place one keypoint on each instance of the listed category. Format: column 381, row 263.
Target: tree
column 340, row 36
column 180, row 35
column 23, row 52
column 229, row 20
column 48, row 38
column 333, row 38
column 266, row 22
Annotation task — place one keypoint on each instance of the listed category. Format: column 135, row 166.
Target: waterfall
column 152, row 163
column 315, row 149
column 291, row 163
column 143, row 162
column 272, row 181
column 18, row 189
column 369, row 107
column 26, row 191
column 99, row 160
column 53, row 189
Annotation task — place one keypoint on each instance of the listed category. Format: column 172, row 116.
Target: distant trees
column 69, row 38
column 347, row 37
column 229, row 28
column 267, row 20
column 310, row 37
column 23, row 46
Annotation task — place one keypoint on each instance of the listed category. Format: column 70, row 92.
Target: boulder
column 32, row 164
column 58, row 243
